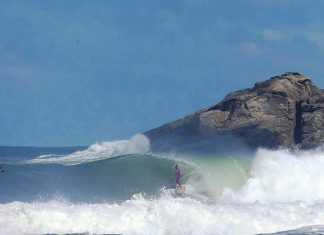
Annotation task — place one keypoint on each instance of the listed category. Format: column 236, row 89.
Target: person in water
column 178, row 175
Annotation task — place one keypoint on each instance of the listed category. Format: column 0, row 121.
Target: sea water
column 121, row 187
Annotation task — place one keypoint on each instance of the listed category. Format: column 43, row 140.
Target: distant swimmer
column 1, row 169
column 178, row 175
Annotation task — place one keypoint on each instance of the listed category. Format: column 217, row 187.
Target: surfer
column 178, row 176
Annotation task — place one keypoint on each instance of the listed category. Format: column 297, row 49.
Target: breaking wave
column 282, row 176
column 166, row 215
column 105, row 189
column 138, row 144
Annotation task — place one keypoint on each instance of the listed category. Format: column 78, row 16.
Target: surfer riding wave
column 178, row 176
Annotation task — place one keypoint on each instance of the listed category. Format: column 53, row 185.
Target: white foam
column 139, row 144
column 161, row 216
column 282, row 176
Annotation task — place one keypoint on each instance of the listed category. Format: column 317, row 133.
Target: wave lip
column 138, row 144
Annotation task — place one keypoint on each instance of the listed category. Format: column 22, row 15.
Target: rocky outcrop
column 284, row 111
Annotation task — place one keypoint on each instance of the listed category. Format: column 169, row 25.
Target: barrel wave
column 122, row 187
column 112, row 180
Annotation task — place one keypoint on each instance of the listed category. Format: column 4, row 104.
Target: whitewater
column 121, row 187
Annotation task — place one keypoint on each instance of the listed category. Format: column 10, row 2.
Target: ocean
column 121, row 187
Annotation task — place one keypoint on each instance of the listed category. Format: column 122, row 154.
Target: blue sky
column 79, row 72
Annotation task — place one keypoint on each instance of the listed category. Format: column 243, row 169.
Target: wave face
column 120, row 187
column 112, row 180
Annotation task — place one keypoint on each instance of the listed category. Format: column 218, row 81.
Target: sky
column 79, row 72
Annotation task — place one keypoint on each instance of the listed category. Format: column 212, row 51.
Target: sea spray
column 282, row 176
column 137, row 144
column 165, row 215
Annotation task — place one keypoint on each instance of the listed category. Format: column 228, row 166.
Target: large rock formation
column 284, row 111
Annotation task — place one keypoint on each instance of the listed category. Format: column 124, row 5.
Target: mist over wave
column 139, row 144
column 282, row 176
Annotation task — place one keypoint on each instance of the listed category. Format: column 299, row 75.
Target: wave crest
column 138, row 144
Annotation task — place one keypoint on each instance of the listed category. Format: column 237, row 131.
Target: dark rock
column 283, row 111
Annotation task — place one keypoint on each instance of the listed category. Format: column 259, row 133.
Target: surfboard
column 181, row 190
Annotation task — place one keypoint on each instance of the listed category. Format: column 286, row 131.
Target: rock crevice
column 298, row 131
